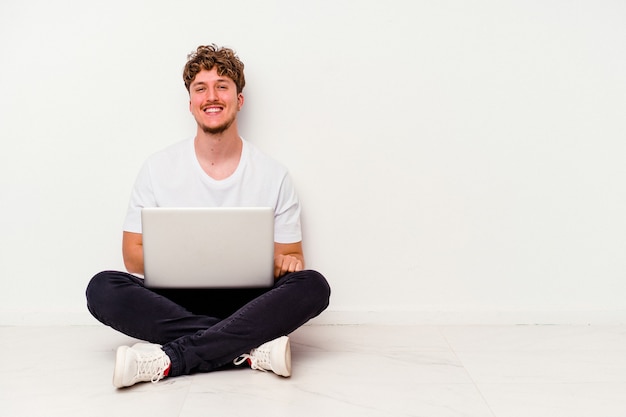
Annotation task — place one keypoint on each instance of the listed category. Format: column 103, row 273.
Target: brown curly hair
column 208, row 56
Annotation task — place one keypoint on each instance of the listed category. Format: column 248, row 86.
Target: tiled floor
column 365, row 371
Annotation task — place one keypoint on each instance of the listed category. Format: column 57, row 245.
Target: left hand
column 286, row 263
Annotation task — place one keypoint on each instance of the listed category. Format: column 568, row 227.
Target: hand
column 286, row 263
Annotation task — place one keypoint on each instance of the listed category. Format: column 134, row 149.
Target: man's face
column 213, row 101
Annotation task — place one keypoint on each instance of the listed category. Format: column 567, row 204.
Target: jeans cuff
column 175, row 361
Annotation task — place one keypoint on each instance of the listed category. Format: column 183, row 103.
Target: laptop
column 208, row 247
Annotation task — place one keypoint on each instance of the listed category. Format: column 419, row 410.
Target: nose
column 211, row 95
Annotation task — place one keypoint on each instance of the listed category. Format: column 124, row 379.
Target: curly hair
column 208, row 56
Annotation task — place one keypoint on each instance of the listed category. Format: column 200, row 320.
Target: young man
column 204, row 330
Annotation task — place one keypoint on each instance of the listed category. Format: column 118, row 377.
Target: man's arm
column 288, row 257
column 132, row 250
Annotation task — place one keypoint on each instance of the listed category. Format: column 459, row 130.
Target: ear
column 239, row 101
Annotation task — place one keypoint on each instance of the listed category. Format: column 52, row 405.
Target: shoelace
column 258, row 359
column 152, row 366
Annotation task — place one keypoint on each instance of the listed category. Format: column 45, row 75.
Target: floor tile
column 334, row 394
column 556, row 400
column 553, row 366
column 532, row 338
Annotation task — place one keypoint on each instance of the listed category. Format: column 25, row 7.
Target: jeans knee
column 98, row 284
column 318, row 288
column 100, row 289
column 322, row 284
column 96, row 290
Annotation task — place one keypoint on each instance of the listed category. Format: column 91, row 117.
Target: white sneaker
column 140, row 363
column 272, row 356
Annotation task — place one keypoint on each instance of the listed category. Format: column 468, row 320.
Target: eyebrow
column 219, row 80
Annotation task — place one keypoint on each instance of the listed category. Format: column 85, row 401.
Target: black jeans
column 203, row 330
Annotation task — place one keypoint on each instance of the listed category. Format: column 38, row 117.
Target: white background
column 458, row 161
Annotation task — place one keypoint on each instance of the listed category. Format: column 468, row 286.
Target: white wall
column 458, row 161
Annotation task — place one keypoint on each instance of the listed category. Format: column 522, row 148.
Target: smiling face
column 214, row 101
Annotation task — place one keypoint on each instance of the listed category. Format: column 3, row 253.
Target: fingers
column 286, row 263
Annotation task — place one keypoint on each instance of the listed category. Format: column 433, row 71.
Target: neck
column 218, row 154
column 218, row 145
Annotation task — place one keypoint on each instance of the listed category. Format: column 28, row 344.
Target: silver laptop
column 208, row 247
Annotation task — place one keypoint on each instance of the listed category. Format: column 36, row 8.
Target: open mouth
column 212, row 110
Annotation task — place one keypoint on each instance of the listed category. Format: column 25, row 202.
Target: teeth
column 211, row 110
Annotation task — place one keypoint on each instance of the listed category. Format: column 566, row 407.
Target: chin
column 215, row 130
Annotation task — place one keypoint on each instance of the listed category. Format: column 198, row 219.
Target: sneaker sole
column 120, row 365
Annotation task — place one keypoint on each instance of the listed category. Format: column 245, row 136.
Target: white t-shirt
column 173, row 177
